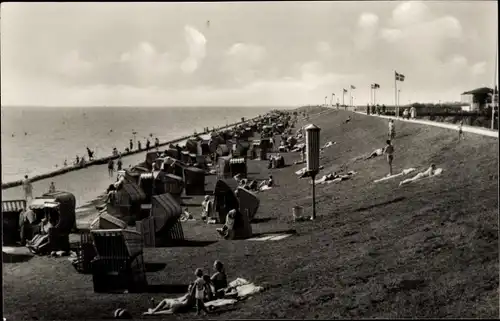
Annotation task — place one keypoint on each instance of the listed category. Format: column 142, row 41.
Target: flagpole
column 371, row 94
column 396, row 109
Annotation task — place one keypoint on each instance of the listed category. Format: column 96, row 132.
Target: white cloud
column 242, row 61
column 367, row 30
column 479, row 68
column 368, row 20
column 196, row 42
column 410, row 12
column 74, row 66
column 324, row 49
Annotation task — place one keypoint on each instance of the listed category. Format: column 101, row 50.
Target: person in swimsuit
column 392, row 131
column 389, row 151
column 460, row 131
column 427, row 173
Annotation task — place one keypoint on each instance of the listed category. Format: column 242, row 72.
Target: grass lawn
column 425, row 250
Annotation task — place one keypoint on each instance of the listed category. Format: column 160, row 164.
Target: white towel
column 402, row 173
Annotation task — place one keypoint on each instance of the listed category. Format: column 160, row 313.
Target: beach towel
column 339, row 178
column 239, row 288
column 329, row 144
column 402, row 173
column 265, row 188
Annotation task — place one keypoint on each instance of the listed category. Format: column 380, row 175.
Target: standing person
column 199, row 288
column 131, row 144
column 148, row 144
column 413, row 112
column 392, row 130
column 139, row 147
column 65, row 163
column 28, row 189
column 119, row 164
column 157, row 142
column 111, row 167
column 52, row 187
column 460, row 130
column 389, row 151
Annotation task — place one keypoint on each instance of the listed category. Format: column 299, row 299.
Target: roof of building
column 479, row 91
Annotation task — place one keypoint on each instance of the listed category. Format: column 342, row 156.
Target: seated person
column 427, row 173
column 205, row 207
column 268, row 183
column 111, row 194
column 219, row 279
column 186, row 215
column 252, row 185
column 229, row 225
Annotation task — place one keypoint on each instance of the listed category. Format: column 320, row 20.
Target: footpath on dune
column 377, row 250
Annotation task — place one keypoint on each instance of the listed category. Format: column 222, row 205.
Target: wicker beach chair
column 119, row 264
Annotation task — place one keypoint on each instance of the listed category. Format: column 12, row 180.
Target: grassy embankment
column 429, row 249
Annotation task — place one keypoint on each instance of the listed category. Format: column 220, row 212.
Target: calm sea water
column 37, row 140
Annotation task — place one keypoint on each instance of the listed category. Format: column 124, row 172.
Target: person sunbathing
column 266, row 183
column 375, row 153
column 183, row 304
column 427, row 173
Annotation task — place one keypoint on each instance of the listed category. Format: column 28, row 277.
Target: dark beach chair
column 119, row 264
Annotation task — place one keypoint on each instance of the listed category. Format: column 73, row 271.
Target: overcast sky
column 243, row 54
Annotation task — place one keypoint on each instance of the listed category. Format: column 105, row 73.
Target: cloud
column 196, row 42
column 479, row 68
column 242, row 61
column 367, row 30
column 410, row 12
column 73, row 66
column 324, row 49
column 414, row 34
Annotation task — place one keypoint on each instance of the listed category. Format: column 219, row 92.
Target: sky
column 243, row 53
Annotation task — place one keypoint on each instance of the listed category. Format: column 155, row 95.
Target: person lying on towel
column 375, row 153
column 427, row 173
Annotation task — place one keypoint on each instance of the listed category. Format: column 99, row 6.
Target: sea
column 37, row 140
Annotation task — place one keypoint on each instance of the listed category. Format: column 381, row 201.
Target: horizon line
column 143, row 106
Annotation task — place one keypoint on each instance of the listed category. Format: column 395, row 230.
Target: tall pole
column 375, row 96
column 343, row 94
column 325, row 99
column 331, row 101
column 313, row 175
column 494, row 99
column 371, row 94
column 396, row 95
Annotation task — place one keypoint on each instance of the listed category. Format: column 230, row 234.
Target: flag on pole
column 376, row 86
column 345, row 90
column 352, row 87
column 399, row 77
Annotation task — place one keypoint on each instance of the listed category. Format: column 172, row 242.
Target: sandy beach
column 377, row 250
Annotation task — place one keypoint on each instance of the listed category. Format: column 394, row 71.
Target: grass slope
column 429, row 249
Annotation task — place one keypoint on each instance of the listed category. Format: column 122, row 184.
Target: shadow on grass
column 188, row 243
column 154, row 267
column 263, row 220
column 191, row 204
column 396, row 200
column 15, row 258
column 167, row 288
